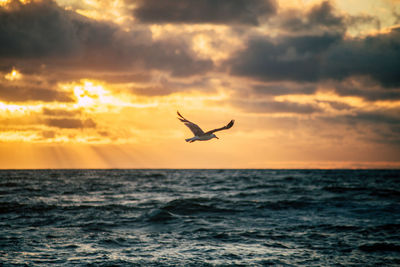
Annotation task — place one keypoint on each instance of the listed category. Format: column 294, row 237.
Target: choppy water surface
column 200, row 217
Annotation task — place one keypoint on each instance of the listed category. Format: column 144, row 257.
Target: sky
column 96, row 83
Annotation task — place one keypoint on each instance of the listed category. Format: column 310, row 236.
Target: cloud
column 321, row 57
column 27, row 93
column 37, row 42
column 364, row 88
column 275, row 107
column 324, row 15
column 167, row 86
column 60, row 112
column 236, row 12
column 321, row 17
column 376, row 56
column 375, row 117
column 291, row 59
column 380, row 126
column 48, row 134
column 112, row 77
column 42, row 32
column 279, row 89
column 70, row 123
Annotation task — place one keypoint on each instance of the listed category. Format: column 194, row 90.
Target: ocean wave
column 391, row 229
column 190, row 206
column 380, row 247
column 159, row 215
column 343, row 189
column 25, row 208
column 386, row 193
column 286, row 204
column 199, row 218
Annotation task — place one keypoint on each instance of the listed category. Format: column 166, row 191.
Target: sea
column 199, row 217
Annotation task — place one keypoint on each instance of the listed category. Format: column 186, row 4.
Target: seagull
column 199, row 135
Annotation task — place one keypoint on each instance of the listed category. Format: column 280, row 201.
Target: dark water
column 200, row 218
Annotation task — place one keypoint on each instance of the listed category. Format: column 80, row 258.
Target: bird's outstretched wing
column 228, row 126
column 193, row 127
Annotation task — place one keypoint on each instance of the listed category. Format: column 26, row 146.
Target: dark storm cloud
column 374, row 56
column 70, row 123
column 244, row 12
column 321, row 16
column 41, row 29
column 324, row 15
column 369, row 90
column 25, row 93
column 321, row 57
column 277, row 89
column 292, row 59
column 275, row 107
column 43, row 33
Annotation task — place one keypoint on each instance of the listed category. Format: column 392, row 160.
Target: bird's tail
column 188, row 140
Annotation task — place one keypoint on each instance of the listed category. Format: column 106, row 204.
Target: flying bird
column 199, row 134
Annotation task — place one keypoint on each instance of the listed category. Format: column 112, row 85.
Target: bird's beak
column 216, row 137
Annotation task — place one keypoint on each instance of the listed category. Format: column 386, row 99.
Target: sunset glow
column 13, row 75
column 96, row 84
